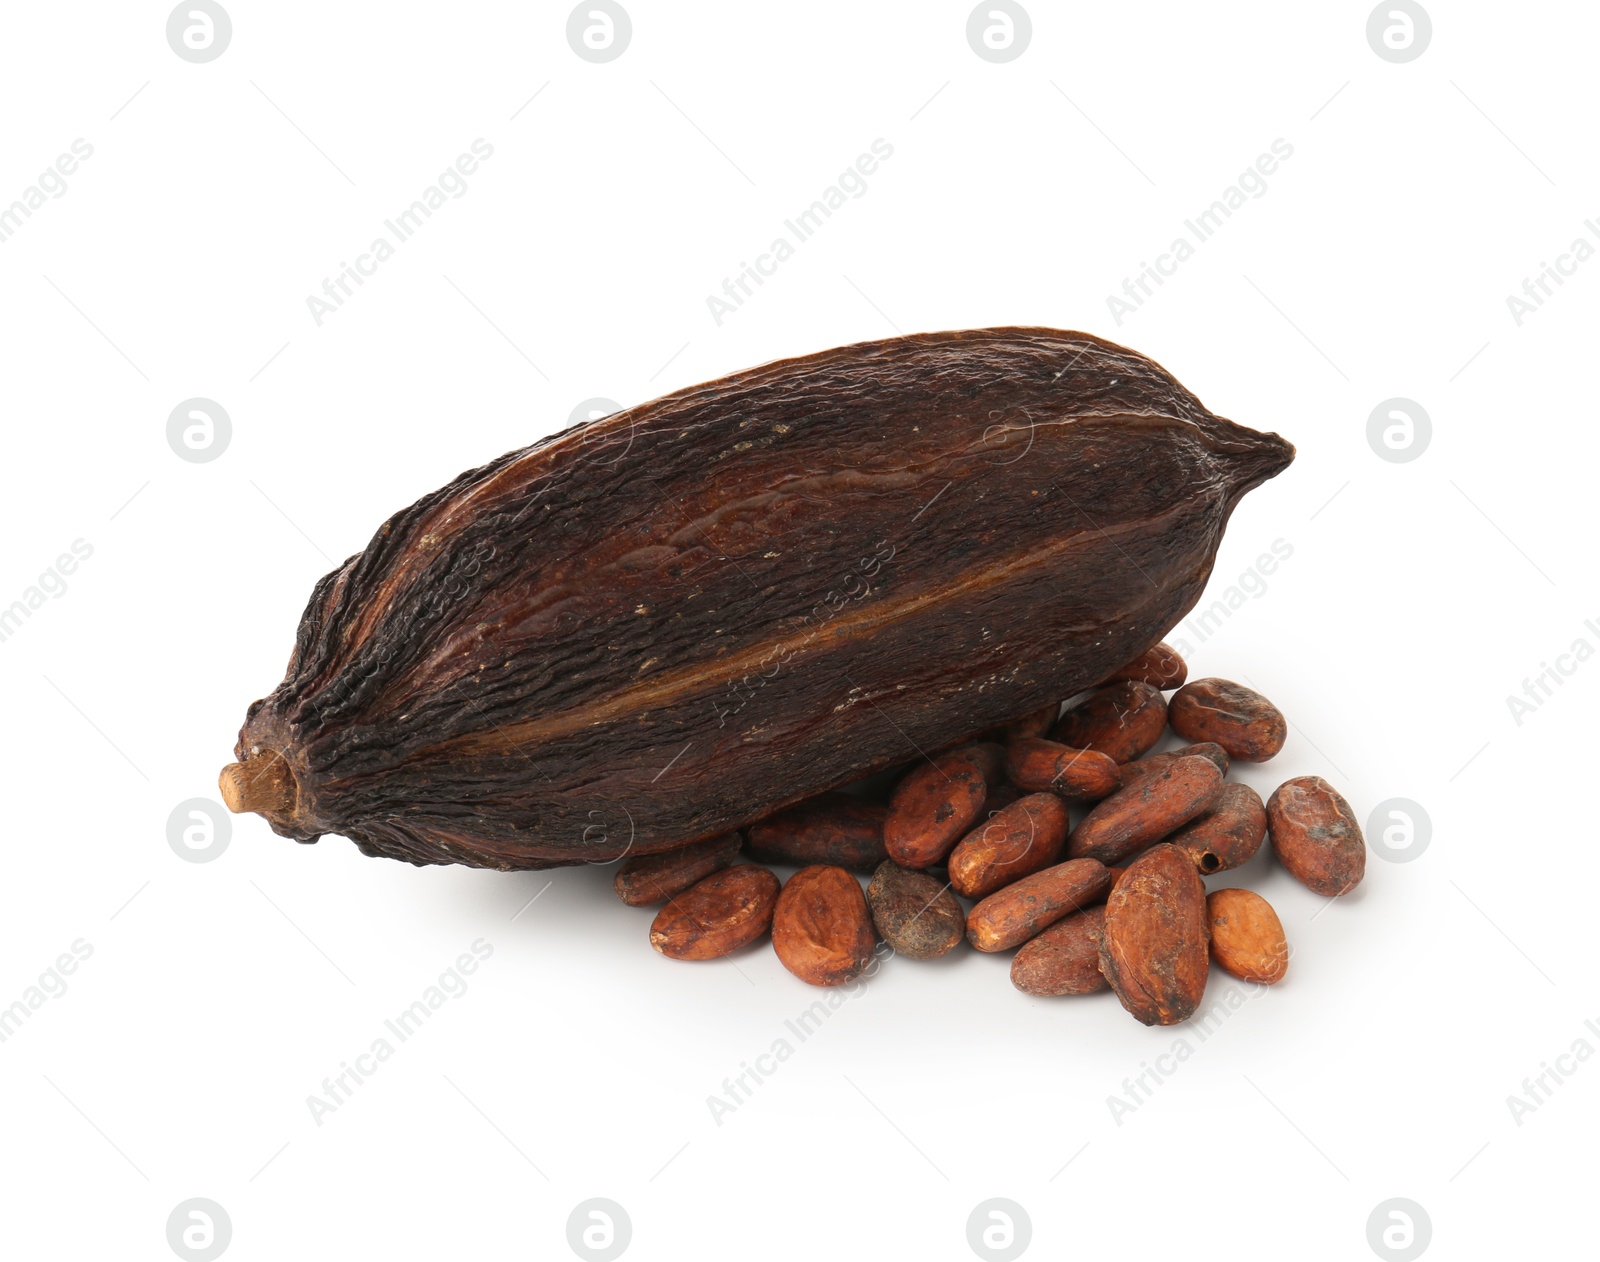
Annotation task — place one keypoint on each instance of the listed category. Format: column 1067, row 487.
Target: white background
column 219, row 995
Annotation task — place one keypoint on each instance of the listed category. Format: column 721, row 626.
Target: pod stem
column 263, row 784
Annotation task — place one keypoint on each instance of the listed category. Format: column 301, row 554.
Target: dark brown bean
column 718, row 915
column 936, row 805
column 1064, row 959
column 1024, row 908
column 1133, row 771
column 831, row 828
column 1021, row 839
column 1133, row 818
column 1239, row 719
column 1123, row 721
column 821, row 928
column 1228, row 834
column 1315, row 835
column 1154, row 946
column 916, row 915
column 1036, row 765
column 654, row 878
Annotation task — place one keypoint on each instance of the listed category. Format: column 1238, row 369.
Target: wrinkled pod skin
column 671, row 622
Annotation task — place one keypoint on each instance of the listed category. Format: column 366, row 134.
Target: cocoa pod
column 831, row 828
column 1024, row 908
column 821, row 928
column 915, row 914
column 1021, row 839
column 654, row 878
column 1131, row 819
column 1247, row 936
column 1228, row 834
column 937, row 803
column 1315, row 835
column 1239, row 719
column 1064, row 959
column 717, row 915
column 1122, row 721
column 1160, row 667
column 1154, row 944
column 557, row 658
column 1133, row 772
column 1036, row 765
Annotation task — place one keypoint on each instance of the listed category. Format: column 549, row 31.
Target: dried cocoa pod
column 1036, row 765
column 821, row 928
column 1064, row 959
column 937, row 803
column 1239, row 719
column 1131, row 819
column 1024, row 908
column 1133, row 772
column 1228, row 834
column 1122, row 721
column 1160, row 667
column 916, row 915
column 1315, row 835
column 831, row 828
column 717, row 915
column 1154, row 944
column 631, row 636
column 654, row 878
column 1021, row 839
column 1247, row 936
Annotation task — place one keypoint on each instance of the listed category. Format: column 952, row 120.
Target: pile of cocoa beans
column 977, row 842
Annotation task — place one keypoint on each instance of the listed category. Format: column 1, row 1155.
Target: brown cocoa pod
column 1025, row 908
column 654, row 878
column 832, row 828
column 1247, row 936
column 1133, row 772
column 1239, row 719
column 1021, row 839
column 937, row 803
column 821, row 928
column 632, row 635
column 916, row 915
column 718, row 915
column 1228, row 834
column 1160, row 667
column 1122, row 721
column 1036, row 765
column 1315, row 835
column 1064, row 959
column 1133, row 818
column 1154, row 944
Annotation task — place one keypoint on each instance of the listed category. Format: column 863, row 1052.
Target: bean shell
column 821, row 928
column 1239, row 719
column 1315, row 835
column 1227, row 835
column 915, row 914
column 1041, row 766
column 1154, row 947
column 936, row 805
column 1064, row 959
column 1024, row 908
column 1133, row 772
column 1133, row 818
column 1019, row 840
column 831, row 828
column 654, row 878
column 1123, row 720
column 717, row 915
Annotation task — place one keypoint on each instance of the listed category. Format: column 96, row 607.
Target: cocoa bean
column 1315, row 835
column 1036, row 765
column 654, row 878
column 1035, row 723
column 821, row 928
column 1239, row 719
column 717, row 915
column 1153, row 947
column 831, row 828
column 1064, row 959
column 1122, row 721
column 1228, row 834
column 1247, row 936
column 937, row 804
column 1021, row 839
column 1024, row 908
column 915, row 914
column 1133, row 771
column 1131, row 819
column 1160, row 667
